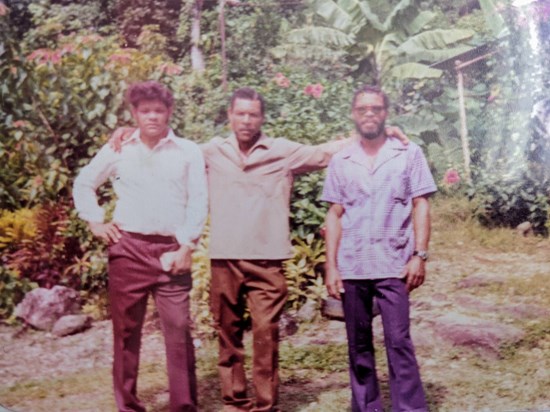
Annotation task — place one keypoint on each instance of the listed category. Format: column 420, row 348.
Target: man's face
column 369, row 115
column 152, row 117
column 246, row 119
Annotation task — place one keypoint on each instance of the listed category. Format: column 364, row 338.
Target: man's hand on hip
column 108, row 232
column 120, row 135
column 177, row 262
column 414, row 272
column 333, row 282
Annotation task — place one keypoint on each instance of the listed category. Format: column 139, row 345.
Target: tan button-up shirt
column 250, row 196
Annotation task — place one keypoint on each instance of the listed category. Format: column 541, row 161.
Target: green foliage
column 44, row 258
column 251, row 32
column 327, row 358
column 294, row 112
column 512, row 178
column 307, row 212
column 509, row 201
column 200, row 309
column 12, row 291
column 304, row 271
column 384, row 49
column 133, row 18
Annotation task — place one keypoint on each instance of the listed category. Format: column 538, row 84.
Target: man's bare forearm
column 421, row 222
column 333, row 233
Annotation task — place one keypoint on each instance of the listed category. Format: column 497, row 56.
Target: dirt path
column 465, row 282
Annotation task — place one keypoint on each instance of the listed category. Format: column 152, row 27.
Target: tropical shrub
column 12, row 291
column 305, row 270
column 16, row 228
column 44, row 258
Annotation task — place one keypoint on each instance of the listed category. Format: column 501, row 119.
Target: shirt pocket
column 400, row 189
column 355, row 194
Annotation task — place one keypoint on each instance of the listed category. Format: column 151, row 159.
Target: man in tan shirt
column 250, row 178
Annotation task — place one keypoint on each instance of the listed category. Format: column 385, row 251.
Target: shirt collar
column 391, row 147
column 264, row 142
column 135, row 138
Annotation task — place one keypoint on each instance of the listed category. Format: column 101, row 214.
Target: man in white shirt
column 161, row 208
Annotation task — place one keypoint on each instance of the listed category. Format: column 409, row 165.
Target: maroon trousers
column 263, row 284
column 134, row 273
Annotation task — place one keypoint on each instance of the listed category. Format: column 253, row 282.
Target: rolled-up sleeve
column 197, row 200
column 91, row 176
column 332, row 189
column 422, row 181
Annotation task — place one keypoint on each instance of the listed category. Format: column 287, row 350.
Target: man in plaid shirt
column 377, row 234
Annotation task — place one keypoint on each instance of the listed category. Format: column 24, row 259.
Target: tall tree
column 197, row 57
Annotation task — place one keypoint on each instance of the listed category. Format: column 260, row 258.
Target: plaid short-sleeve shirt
column 377, row 229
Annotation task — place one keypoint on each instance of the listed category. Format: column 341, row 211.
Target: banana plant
column 399, row 47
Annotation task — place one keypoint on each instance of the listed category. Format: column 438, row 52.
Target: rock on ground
column 69, row 324
column 42, row 307
column 485, row 336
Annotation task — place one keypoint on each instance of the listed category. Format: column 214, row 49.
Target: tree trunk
column 197, row 58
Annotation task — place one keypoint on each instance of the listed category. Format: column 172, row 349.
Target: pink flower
column 40, row 56
column 451, row 177
column 314, row 90
column 43, row 56
column 170, row 69
column 317, row 90
column 3, row 9
column 122, row 57
column 68, row 49
column 90, row 38
column 20, row 123
column 281, row 80
column 285, row 83
column 38, row 181
column 55, row 56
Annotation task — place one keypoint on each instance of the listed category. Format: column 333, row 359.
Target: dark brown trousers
column 263, row 284
column 134, row 273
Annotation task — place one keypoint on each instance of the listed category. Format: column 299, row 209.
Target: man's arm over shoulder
column 307, row 158
column 304, row 158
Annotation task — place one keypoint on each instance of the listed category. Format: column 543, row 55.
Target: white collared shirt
column 159, row 191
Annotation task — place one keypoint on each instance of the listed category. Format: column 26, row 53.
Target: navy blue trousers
column 406, row 389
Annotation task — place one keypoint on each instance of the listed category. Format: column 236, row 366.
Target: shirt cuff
column 184, row 240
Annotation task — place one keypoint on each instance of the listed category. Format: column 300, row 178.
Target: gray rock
column 332, row 308
column 525, row 229
column 308, row 312
column 478, row 280
column 71, row 324
column 485, row 336
column 287, row 325
column 41, row 307
column 516, row 311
